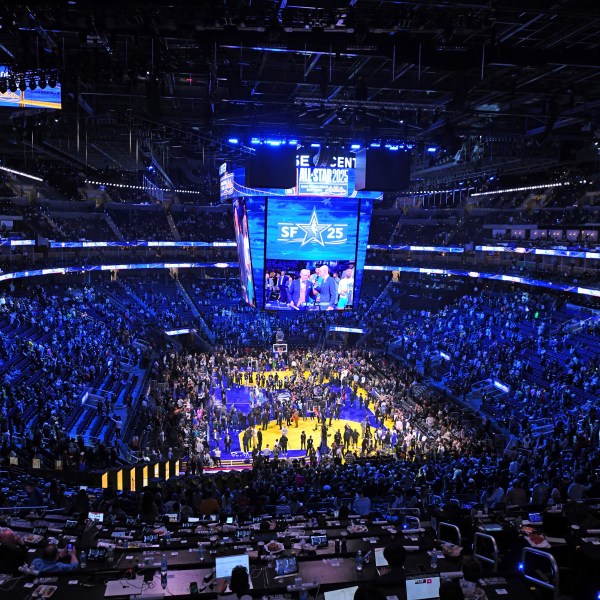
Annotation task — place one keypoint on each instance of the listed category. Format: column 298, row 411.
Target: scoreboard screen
column 242, row 237
column 308, row 234
column 301, row 248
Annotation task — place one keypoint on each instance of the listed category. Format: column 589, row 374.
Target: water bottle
column 110, row 554
column 303, row 594
column 200, row 552
column 163, row 572
column 83, row 560
column 359, row 561
column 433, row 555
column 337, row 546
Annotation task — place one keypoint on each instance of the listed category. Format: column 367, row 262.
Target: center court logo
column 313, row 232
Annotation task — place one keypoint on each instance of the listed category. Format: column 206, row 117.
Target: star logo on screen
column 313, row 230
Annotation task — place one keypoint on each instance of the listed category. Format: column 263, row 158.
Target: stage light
column 375, row 145
column 233, row 141
column 255, row 141
column 12, row 85
column 292, row 142
column 32, row 84
column 22, row 84
column 432, row 149
column 354, row 146
column 315, row 145
column 42, row 82
column 3, row 86
column 52, row 81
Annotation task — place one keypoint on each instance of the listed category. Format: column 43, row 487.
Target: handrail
column 452, row 527
column 482, row 557
column 549, row 586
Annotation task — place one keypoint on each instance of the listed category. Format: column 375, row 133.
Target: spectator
column 52, row 559
column 362, row 504
column 13, row 552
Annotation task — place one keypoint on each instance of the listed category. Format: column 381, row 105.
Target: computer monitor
column 286, row 566
column 224, row 565
column 318, row 541
column 172, row 517
column 96, row 516
column 243, row 534
column 425, row 586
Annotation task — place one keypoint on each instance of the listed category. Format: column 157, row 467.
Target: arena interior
column 162, row 437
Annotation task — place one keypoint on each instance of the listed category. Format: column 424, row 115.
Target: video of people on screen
column 309, row 285
column 240, row 223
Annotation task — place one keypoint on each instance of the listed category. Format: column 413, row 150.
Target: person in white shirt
column 346, row 289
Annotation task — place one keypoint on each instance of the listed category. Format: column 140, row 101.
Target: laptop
column 286, row 566
column 224, row 566
column 172, row 517
column 425, row 586
column 535, row 518
column 96, row 516
column 318, row 541
column 243, row 534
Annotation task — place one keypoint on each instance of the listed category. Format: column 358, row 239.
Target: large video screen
column 310, row 253
column 240, row 223
column 49, row 97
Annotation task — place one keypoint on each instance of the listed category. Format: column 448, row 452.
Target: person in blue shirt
column 52, row 558
column 362, row 504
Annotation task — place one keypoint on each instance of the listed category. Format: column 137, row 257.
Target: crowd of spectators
column 58, row 344
column 197, row 225
column 145, row 224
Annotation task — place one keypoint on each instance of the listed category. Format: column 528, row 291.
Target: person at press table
column 52, row 559
column 301, row 290
column 13, row 552
column 394, row 575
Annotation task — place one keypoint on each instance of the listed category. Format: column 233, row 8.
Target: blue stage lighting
column 355, row 147
column 233, row 141
column 375, row 145
column 255, row 141
column 432, row 149
column 315, row 145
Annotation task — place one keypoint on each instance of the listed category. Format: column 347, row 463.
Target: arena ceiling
column 506, row 81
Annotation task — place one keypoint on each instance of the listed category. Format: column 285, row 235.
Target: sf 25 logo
column 313, row 232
